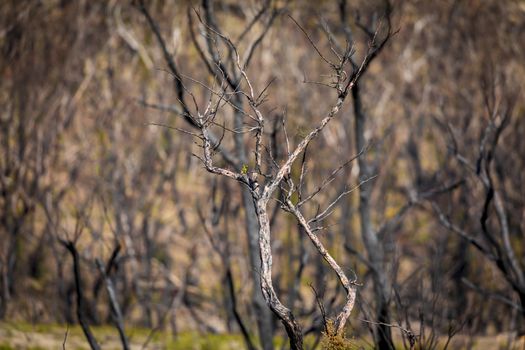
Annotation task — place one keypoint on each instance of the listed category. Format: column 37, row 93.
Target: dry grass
column 25, row 336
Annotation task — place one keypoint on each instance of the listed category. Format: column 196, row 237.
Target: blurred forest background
column 107, row 217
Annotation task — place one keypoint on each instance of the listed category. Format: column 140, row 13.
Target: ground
column 51, row 336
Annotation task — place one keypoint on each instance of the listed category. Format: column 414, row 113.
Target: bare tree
column 217, row 66
column 372, row 238
column 114, row 304
column 70, row 245
column 495, row 232
column 265, row 178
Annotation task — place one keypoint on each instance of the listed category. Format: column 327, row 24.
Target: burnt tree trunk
column 70, row 246
column 373, row 246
